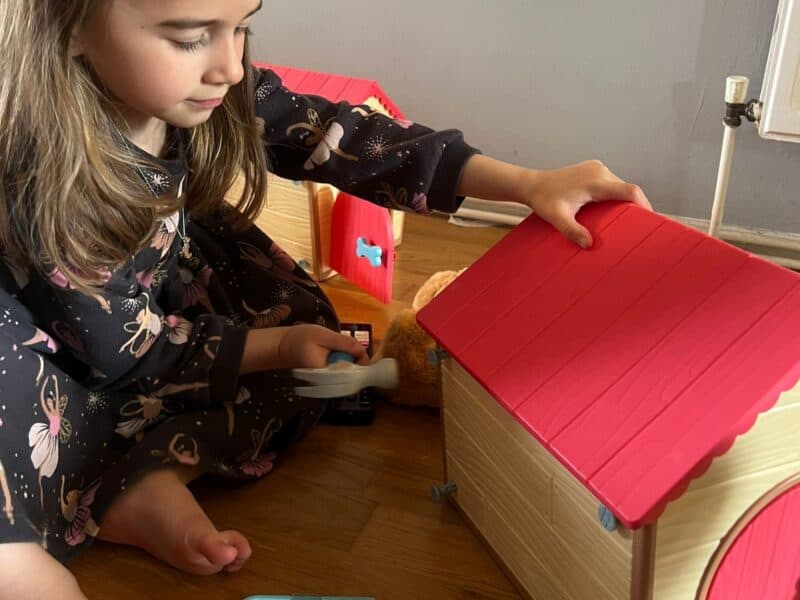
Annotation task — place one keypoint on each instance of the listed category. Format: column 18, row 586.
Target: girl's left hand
column 309, row 346
column 557, row 195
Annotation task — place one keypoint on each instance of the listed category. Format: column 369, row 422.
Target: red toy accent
column 354, row 218
column 635, row 363
column 333, row 87
column 764, row 560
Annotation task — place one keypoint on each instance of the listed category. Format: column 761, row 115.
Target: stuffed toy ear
column 420, row 381
column 431, row 288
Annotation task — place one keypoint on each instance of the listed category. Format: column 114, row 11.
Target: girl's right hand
column 309, row 346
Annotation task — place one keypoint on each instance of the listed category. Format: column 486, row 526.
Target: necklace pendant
column 185, row 252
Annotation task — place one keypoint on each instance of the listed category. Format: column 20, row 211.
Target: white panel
column 780, row 93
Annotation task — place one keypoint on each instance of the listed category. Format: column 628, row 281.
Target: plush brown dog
column 420, row 381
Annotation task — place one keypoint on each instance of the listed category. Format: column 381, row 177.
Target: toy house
column 299, row 214
column 614, row 419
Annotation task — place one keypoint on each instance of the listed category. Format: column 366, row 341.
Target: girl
column 128, row 363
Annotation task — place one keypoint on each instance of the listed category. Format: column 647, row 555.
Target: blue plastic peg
column 607, row 518
column 372, row 253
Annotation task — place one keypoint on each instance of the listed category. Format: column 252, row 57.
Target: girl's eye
column 204, row 39
column 194, row 44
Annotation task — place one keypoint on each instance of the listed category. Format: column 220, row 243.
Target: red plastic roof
column 333, row 87
column 634, row 363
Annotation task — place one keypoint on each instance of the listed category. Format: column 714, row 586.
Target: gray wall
column 638, row 84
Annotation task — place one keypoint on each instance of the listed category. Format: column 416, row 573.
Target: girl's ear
column 76, row 43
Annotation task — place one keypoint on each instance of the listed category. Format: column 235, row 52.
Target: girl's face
column 168, row 60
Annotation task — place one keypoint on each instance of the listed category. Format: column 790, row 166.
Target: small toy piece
column 372, row 253
column 343, row 378
column 607, row 518
column 439, row 491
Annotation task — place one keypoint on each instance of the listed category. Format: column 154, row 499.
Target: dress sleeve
column 392, row 162
column 127, row 341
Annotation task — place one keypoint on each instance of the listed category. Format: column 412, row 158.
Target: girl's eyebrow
column 198, row 24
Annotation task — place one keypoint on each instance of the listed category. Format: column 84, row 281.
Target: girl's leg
column 160, row 515
column 28, row 571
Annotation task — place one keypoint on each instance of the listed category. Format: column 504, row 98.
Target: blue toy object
column 372, row 253
column 339, row 356
column 607, row 518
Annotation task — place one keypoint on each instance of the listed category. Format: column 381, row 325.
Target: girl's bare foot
column 28, row 571
column 160, row 515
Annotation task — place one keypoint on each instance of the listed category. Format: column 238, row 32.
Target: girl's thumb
column 578, row 234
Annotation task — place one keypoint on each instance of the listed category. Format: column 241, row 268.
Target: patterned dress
column 97, row 390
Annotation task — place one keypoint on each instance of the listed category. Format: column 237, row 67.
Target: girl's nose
column 226, row 62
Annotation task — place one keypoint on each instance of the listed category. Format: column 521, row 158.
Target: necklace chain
column 181, row 226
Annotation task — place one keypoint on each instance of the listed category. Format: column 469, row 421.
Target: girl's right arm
column 295, row 346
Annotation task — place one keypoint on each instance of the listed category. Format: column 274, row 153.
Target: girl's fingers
column 565, row 223
column 620, row 190
column 349, row 344
column 576, row 233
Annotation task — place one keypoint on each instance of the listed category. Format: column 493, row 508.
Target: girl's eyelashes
column 194, row 45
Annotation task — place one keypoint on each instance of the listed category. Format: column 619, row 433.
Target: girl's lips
column 213, row 103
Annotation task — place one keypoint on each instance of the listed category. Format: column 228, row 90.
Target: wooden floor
column 348, row 511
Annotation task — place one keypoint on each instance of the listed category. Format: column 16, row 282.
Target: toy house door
column 362, row 245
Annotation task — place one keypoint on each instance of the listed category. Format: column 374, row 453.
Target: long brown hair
column 71, row 198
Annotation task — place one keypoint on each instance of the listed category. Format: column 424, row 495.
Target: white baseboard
column 782, row 247
column 502, row 213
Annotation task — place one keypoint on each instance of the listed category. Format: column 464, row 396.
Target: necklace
column 180, row 229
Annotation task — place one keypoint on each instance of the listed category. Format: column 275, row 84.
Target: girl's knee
column 52, row 579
